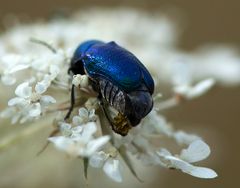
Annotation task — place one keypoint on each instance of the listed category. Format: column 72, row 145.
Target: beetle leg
column 72, row 103
column 104, row 109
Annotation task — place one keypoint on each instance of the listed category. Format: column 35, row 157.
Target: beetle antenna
column 41, row 42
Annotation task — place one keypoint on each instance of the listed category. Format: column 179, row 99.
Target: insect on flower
column 120, row 79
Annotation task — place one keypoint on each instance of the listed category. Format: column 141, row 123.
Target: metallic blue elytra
column 121, row 80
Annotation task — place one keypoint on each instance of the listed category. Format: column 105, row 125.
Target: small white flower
column 98, row 159
column 31, row 103
column 181, row 73
column 196, row 151
column 111, row 165
column 8, row 79
column 80, row 80
column 80, row 141
column 54, row 71
column 112, row 169
column 65, row 129
column 92, row 104
column 13, row 63
column 191, row 92
column 183, row 138
column 84, row 116
column 156, row 123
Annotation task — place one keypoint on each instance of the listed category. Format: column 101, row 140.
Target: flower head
column 39, row 74
column 197, row 151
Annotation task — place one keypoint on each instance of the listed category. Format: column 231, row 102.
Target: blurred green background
column 214, row 116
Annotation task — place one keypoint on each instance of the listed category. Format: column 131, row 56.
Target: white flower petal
column 157, row 124
column 112, row 169
column 88, row 130
column 197, row 151
column 76, row 80
column 15, row 118
column 7, row 113
column 83, row 113
column 23, row 90
column 10, row 59
column 24, row 119
column 184, row 138
column 201, row 88
column 164, row 152
column 46, row 100
column 181, row 73
column 80, row 80
column 96, row 144
column 97, row 160
column 61, row 142
column 76, row 120
column 202, row 172
column 65, row 128
column 76, row 131
column 182, row 89
column 18, row 68
column 54, row 71
column 16, row 101
column 8, row 79
column 84, row 81
column 41, row 87
column 92, row 103
column 35, row 110
column 177, row 163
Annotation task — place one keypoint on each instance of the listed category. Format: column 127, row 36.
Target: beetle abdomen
column 113, row 95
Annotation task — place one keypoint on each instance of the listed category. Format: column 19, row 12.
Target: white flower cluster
column 38, row 72
column 78, row 140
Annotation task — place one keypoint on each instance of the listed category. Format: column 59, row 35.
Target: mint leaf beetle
column 120, row 80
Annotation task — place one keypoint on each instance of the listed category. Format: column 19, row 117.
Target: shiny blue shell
column 114, row 63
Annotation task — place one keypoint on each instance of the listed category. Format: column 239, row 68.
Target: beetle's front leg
column 72, row 103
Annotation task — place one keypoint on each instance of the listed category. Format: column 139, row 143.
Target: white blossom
column 80, row 80
column 183, row 138
column 109, row 164
column 197, row 151
column 84, row 116
column 30, row 103
column 81, row 141
column 13, row 63
column 191, row 92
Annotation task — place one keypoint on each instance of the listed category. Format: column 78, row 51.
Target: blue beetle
column 120, row 80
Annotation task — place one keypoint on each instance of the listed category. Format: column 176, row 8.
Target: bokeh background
column 215, row 116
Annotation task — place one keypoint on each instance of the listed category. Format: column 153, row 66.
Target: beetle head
column 77, row 66
column 140, row 104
